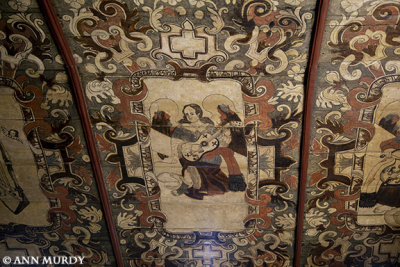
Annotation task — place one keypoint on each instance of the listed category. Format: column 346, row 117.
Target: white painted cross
column 207, row 255
column 392, row 249
column 188, row 44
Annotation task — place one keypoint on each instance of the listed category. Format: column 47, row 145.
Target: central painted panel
column 199, row 153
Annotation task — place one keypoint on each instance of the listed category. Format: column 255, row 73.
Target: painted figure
column 202, row 176
column 383, row 183
column 231, row 140
column 203, row 148
column 11, row 194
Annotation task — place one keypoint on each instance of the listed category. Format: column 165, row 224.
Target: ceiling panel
column 196, row 109
column 170, row 132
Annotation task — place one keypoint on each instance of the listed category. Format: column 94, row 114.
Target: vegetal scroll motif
column 353, row 192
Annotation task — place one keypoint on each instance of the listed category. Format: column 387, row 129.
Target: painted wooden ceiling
column 201, row 133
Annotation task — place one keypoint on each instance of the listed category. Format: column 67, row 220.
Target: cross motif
column 207, row 255
column 392, row 249
column 188, row 44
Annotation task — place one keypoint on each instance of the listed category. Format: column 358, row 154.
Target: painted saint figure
column 11, row 194
column 230, row 141
column 382, row 186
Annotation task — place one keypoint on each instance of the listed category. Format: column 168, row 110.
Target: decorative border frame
column 371, row 98
column 206, row 73
column 24, row 99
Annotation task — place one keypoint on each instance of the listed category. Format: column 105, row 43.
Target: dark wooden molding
column 63, row 47
column 309, row 91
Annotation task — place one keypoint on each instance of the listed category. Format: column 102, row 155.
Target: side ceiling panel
column 353, row 209
column 196, row 109
column 49, row 205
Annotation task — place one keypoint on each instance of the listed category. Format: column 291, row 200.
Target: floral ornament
column 286, row 221
column 296, row 72
column 92, row 215
column 230, row 1
column 315, row 219
column 171, row 2
column 181, row 10
column 101, row 90
column 293, row 93
column 352, row 5
column 75, row 3
column 57, row 95
column 197, row 3
column 332, row 97
column 20, row 5
column 294, row 2
column 198, row 14
column 128, row 221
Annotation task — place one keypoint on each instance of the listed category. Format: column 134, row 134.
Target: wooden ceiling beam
column 321, row 12
column 65, row 50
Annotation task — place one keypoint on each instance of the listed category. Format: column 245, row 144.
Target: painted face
column 191, row 115
column 13, row 133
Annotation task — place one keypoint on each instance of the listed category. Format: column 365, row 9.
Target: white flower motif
column 181, row 10
column 94, row 216
column 296, row 72
column 330, row 97
column 57, row 94
column 198, row 14
column 197, row 3
column 128, row 221
column 312, row 232
column 291, row 92
column 61, row 77
column 75, row 3
column 315, row 218
column 294, row 2
column 20, row 5
column 286, row 221
column 100, row 90
column 171, row 2
column 91, row 214
column 351, row 5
